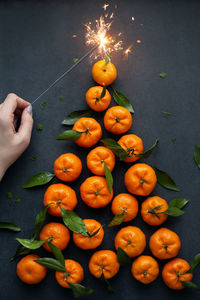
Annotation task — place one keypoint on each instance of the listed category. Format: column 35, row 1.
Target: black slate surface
column 36, row 45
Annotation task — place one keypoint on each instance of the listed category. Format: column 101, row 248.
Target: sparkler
column 99, row 38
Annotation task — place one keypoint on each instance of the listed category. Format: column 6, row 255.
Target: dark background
column 36, row 45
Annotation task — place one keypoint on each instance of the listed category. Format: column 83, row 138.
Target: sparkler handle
column 66, row 72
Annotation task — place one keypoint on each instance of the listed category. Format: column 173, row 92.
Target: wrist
column 2, row 172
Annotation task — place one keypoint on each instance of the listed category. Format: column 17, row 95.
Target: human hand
column 12, row 142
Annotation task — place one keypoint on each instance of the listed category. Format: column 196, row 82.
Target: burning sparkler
column 97, row 37
column 100, row 36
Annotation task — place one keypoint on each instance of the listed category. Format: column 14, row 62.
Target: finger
column 26, row 125
column 13, row 102
column 15, row 121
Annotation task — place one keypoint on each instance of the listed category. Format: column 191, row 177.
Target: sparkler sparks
column 105, row 6
column 100, row 36
column 128, row 50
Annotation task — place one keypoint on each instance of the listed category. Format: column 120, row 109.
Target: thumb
column 26, row 125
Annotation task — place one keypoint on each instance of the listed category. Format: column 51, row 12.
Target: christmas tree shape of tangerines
column 140, row 179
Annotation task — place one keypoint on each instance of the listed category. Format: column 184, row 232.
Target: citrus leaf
column 108, row 58
column 162, row 75
column 174, row 211
column 179, row 202
column 109, row 178
column 94, row 233
column 51, row 263
column 80, row 290
column 147, row 153
column 173, row 140
column 197, row 155
column 166, row 114
column 10, row 226
column 10, row 195
column 21, row 250
column 39, row 127
column 57, row 253
column 189, row 284
column 75, row 115
column 30, row 244
column 103, row 92
column 109, row 287
column 39, row 179
column 73, row 221
column 117, row 220
column 43, row 104
column 39, row 220
column 122, row 257
column 115, row 148
column 69, row 135
column 194, row 263
column 121, row 100
column 165, row 180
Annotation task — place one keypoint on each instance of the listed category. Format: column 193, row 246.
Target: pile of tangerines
column 140, row 179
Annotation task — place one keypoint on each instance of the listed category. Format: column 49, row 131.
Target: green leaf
column 189, row 284
column 115, row 147
column 162, row 75
column 117, row 220
column 79, row 290
column 30, row 244
column 61, row 98
column 39, row 127
column 57, row 253
column 109, row 287
column 75, row 60
column 166, row 114
column 39, row 220
column 17, row 200
column 94, row 233
column 10, row 226
column 51, row 263
column 179, row 202
column 121, row 100
column 75, row 115
column 173, row 140
column 197, row 155
column 70, row 135
column 43, row 104
column 108, row 58
column 10, row 195
column 165, row 180
column 109, row 178
column 194, row 263
column 103, row 93
column 122, row 257
column 33, row 158
column 39, row 179
column 147, row 153
column 174, row 211
column 73, row 221
column 21, row 250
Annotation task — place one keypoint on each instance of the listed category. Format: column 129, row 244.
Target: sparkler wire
column 66, row 72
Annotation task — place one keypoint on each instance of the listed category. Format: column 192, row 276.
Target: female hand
column 12, row 142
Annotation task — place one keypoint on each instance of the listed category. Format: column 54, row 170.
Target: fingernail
column 29, row 109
